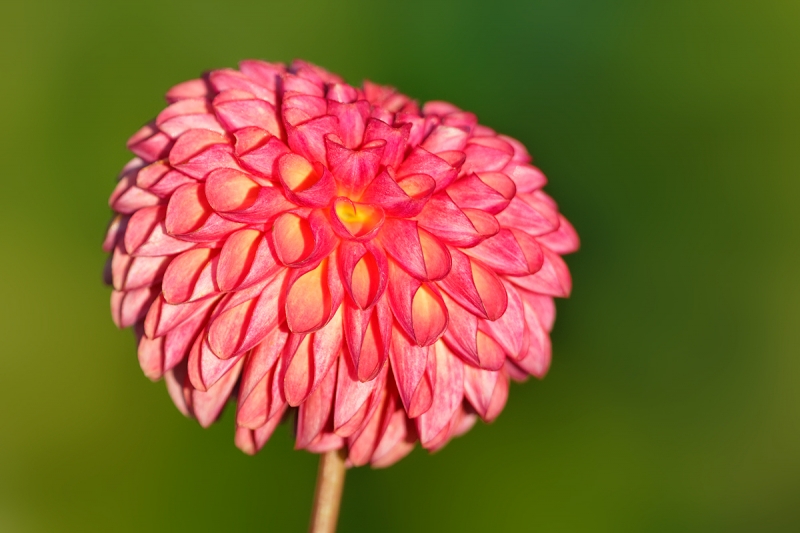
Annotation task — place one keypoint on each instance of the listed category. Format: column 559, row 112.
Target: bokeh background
column 670, row 132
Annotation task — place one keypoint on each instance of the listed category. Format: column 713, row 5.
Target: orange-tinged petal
column 310, row 363
column 313, row 297
column 447, row 397
column 183, row 274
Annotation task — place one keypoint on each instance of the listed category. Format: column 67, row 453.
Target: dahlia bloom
column 299, row 245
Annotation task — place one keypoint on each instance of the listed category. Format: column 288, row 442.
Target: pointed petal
column 462, row 228
column 364, row 271
column 479, row 387
column 307, row 139
column 553, row 279
column 246, row 258
column 183, row 273
column 313, row 297
column 447, row 396
column 352, row 396
column 564, row 240
column 251, row 441
column 354, row 169
column 409, row 363
column 261, row 159
column 206, row 369
column 421, row 161
column 475, row 287
column 299, row 241
column 312, row 360
column 236, row 112
column 418, row 252
column 487, row 191
column 206, row 406
column 527, row 178
column 305, row 183
column 352, row 120
column 315, row 413
column 418, row 307
column 486, row 154
column 396, row 139
column 509, row 329
column 404, row 198
column 530, row 214
column 188, row 89
column 128, row 307
column 164, row 317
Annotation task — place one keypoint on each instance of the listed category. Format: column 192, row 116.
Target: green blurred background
column 670, row 132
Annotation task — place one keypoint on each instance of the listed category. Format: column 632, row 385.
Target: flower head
column 301, row 245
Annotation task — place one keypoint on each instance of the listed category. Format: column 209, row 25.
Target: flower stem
column 328, row 496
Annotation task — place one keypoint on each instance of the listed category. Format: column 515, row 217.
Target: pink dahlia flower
column 294, row 243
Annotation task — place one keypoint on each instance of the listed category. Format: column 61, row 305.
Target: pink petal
column 188, row 89
column 421, row 161
column 163, row 317
column 263, row 73
column 479, row 387
column 368, row 335
column 528, row 178
column 128, row 307
column 553, row 279
column 127, row 198
column 304, row 183
column 299, row 242
column 364, row 271
column 206, row 369
column 183, row 276
column 307, row 139
column 473, row 346
column 225, row 79
column 298, row 108
column 354, row 169
column 312, row 360
column 487, row 191
column 462, row 228
column 409, row 364
column 206, row 406
column 445, row 138
column 315, row 413
column 418, row 252
column 256, row 401
column 509, row 329
column 529, row 214
column 396, row 138
column 352, row 120
column 251, row 441
column 238, row 327
column 177, row 126
column 402, row 199
column 313, row 297
column 510, row 252
column 235, row 113
column 246, row 258
column 418, row 307
column 352, row 396
column 448, row 393
column 486, row 154
column 149, row 143
column 193, row 143
column 562, row 241
column 475, row 287
column 261, row 159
